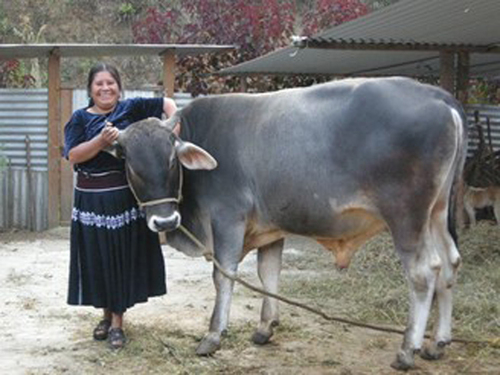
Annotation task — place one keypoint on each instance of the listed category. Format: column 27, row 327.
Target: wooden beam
column 169, row 73
column 447, row 71
column 54, row 139
column 66, row 168
column 463, row 64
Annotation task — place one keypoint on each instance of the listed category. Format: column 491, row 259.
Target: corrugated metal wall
column 24, row 116
column 23, row 138
column 23, row 158
column 24, row 113
column 485, row 111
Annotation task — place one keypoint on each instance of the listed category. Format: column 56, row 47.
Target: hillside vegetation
column 257, row 27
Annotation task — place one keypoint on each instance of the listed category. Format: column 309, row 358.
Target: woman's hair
column 102, row 67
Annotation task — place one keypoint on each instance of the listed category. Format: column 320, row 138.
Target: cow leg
column 228, row 244
column 471, row 213
column 496, row 210
column 422, row 264
column 269, row 268
column 450, row 257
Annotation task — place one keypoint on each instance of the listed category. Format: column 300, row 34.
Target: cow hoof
column 432, row 352
column 209, row 345
column 403, row 361
column 260, row 338
column 264, row 332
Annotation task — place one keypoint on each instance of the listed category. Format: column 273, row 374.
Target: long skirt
column 116, row 261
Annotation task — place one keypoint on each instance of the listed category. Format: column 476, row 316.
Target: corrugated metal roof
column 11, row 51
column 440, row 22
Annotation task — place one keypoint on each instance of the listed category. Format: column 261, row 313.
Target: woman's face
column 104, row 91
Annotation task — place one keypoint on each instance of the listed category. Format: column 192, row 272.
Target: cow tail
column 458, row 188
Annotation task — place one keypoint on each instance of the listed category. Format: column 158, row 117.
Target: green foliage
column 126, row 12
column 5, row 26
column 16, row 74
column 482, row 91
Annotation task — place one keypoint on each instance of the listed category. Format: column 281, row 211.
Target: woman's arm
column 169, row 106
column 87, row 150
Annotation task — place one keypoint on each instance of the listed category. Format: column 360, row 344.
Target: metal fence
column 23, row 158
column 23, row 150
column 487, row 114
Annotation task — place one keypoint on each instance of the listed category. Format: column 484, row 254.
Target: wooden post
column 447, row 70
column 54, row 142
column 463, row 63
column 169, row 73
column 66, row 168
column 168, row 89
column 243, row 83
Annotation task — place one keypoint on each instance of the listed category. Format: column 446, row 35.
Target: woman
column 116, row 261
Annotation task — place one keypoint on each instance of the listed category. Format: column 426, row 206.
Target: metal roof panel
column 473, row 22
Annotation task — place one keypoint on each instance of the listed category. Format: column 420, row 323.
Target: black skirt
column 116, row 261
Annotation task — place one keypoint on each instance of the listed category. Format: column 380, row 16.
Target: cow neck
column 156, row 202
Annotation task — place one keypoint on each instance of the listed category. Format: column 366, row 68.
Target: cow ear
column 194, row 157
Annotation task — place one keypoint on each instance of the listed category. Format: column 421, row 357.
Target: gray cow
column 337, row 162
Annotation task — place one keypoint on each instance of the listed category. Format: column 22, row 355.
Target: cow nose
column 166, row 224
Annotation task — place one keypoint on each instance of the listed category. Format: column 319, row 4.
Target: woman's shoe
column 117, row 338
column 101, row 330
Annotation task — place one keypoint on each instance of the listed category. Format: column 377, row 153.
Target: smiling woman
column 105, row 92
column 116, row 261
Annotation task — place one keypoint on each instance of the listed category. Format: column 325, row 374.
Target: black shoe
column 101, row 330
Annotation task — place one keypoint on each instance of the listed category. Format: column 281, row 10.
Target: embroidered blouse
column 83, row 126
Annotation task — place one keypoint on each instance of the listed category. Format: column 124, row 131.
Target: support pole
column 54, row 139
column 447, row 70
column 67, row 174
column 243, row 83
column 463, row 63
column 169, row 73
column 168, row 91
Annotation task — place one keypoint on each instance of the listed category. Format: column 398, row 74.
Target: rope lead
column 494, row 343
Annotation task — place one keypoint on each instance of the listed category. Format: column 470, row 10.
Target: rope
column 495, row 343
column 156, row 202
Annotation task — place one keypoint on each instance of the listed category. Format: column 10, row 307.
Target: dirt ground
column 40, row 334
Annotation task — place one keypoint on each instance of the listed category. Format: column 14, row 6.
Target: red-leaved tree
column 14, row 74
column 256, row 27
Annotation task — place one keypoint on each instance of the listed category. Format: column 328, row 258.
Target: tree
column 13, row 73
column 255, row 26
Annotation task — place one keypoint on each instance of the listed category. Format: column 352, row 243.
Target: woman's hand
column 87, row 150
column 109, row 134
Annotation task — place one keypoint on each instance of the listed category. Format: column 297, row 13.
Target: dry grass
column 373, row 290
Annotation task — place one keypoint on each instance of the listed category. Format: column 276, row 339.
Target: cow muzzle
column 164, row 224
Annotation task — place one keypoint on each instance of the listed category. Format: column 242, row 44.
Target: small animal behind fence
column 479, row 198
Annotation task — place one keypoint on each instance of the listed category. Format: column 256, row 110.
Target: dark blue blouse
column 83, row 126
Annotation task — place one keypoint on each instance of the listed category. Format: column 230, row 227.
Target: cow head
column 153, row 156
